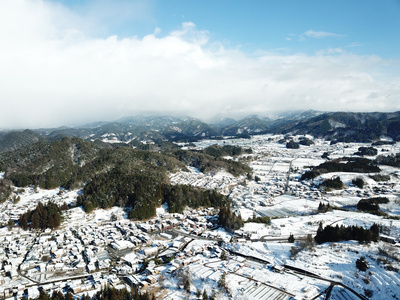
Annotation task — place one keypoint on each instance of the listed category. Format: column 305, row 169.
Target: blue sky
column 73, row 61
column 363, row 26
column 372, row 25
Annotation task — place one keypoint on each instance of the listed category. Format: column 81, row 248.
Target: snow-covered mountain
column 339, row 126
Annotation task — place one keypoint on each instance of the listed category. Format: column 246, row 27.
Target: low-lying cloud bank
column 53, row 73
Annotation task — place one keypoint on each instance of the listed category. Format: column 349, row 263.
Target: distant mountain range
column 339, row 126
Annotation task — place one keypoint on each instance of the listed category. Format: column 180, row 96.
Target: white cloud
column 354, row 44
column 320, row 34
column 157, row 31
column 331, row 51
column 52, row 73
column 313, row 34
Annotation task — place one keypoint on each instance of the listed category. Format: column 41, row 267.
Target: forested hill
column 16, row 139
column 114, row 174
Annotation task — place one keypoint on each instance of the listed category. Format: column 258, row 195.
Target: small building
column 388, row 239
column 151, row 279
column 150, row 251
column 278, row 269
column 133, row 280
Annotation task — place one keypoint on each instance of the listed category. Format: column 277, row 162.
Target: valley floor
column 90, row 251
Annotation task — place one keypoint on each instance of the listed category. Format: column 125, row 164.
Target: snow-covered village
column 189, row 256
column 200, row 150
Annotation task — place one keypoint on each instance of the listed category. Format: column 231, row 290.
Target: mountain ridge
column 337, row 126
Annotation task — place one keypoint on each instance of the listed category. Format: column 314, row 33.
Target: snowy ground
column 338, row 261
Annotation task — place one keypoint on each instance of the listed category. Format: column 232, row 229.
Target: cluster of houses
column 92, row 253
column 222, row 181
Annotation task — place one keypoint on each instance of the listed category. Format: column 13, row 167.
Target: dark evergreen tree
column 23, row 221
column 374, row 232
column 292, row 145
column 64, row 206
column 358, row 182
column 369, row 151
column 323, row 208
column 362, row 264
column 205, row 296
column 35, row 221
column 57, row 295
column 333, row 183
column 291, row 238
column 228, row 219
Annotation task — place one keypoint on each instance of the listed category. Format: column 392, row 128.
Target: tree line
column 354, row 165
column 259, row 219
column 342, row 233
column 371, row 204
column 108, row 293
column 390, row 160
column 226, row 150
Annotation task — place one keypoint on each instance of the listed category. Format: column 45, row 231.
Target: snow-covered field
column 338, row 261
